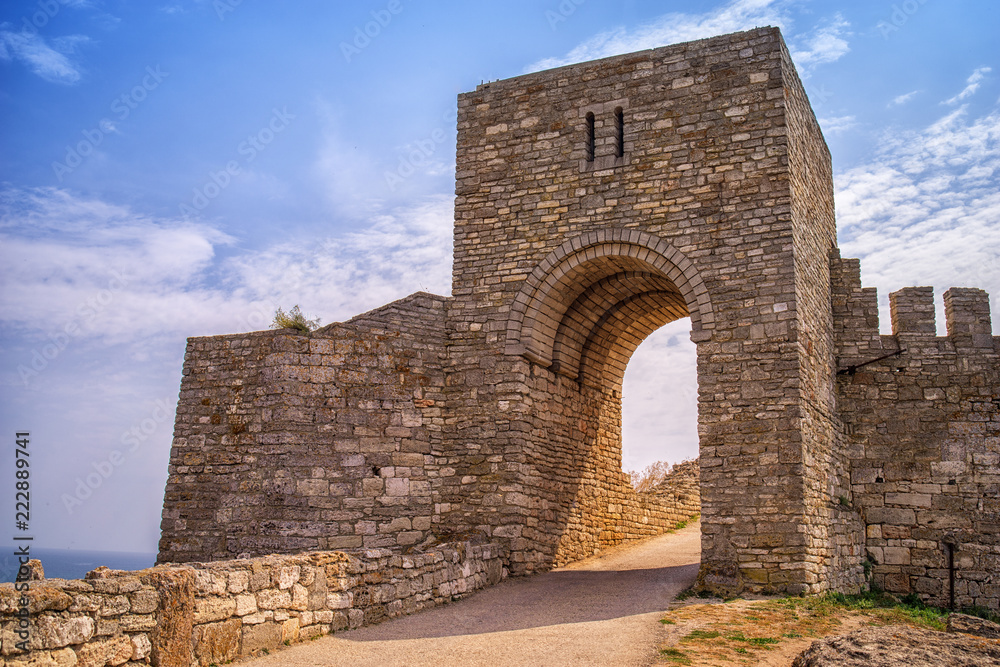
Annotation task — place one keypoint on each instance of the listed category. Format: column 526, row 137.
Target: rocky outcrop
column 904, row 646
column 972, row 625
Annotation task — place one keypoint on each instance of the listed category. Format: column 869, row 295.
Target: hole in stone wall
column 590, row 137
column 660, row 399
column 619, row 132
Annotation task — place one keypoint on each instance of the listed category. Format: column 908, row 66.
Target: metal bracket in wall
column 851, row 370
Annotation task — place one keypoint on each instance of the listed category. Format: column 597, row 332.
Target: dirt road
column 601, row 611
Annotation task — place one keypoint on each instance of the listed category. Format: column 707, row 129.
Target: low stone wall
column 679, row 489
column 205, row 613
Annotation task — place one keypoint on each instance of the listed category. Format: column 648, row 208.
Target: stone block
column 217, row 642
column 246, row 603
column 896, row 555
column 143, row 602
column 141, row 646
column 207, row 610
column 259, row 637
column 112, row 651
column 908, row 499
column 270, row 598
column 56, row 631
column 891, row 515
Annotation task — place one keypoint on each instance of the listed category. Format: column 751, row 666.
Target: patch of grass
column 753, row 641
column 685, row 594
column 675, row 655
column 668, row 621
column 729, row 633
column 763, row 641
column 883, row 606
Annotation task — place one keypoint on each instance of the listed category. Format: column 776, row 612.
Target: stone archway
column 574, row 308
column 579, row 317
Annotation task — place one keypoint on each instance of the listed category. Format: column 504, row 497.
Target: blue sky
column 177, row 169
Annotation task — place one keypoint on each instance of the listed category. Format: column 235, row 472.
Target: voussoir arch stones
column 551, row 288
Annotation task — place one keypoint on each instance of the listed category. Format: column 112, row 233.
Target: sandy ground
column 601, row 611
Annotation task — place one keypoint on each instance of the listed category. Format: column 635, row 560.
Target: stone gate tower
column 599, row 201
column 594, row 204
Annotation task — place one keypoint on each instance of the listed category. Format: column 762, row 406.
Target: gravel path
column 600, row 611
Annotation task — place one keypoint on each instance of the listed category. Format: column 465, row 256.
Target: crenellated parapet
column 855, row 312
column 921, row 417
column 967, row 312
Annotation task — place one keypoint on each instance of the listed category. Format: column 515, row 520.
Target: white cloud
column 826, row 44
column 52, row 64
column 671, row 29
column 403, row 251
column 972, row 85
column 899, row 100
column 121, row 277
column 924, row 211
column 836, row 124
column 660, row 399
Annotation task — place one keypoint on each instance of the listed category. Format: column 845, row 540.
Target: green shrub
column 294, row 319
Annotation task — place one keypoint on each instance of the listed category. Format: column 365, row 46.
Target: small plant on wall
column 294, row 319
column 649, row 478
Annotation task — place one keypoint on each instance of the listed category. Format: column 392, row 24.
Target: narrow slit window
column 590, row 137
column 619, row 132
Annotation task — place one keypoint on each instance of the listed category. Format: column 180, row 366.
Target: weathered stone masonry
column 211, row 613
column 923, row 434
column 705, row 192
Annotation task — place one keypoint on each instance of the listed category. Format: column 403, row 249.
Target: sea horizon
column 74, row 563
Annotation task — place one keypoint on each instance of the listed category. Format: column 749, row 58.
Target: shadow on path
column 553, row 598
column 600, row 611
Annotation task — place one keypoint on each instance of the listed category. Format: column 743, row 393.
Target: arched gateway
column 595, row 203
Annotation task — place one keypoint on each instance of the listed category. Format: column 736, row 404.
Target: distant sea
column 71, row 564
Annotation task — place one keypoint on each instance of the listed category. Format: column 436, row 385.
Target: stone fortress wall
column 595, row 203
column 922, row 429
column 436, row 444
